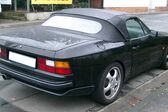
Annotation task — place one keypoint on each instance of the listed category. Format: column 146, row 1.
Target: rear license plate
column 22, row 59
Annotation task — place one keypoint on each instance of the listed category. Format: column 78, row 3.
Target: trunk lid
column 44, row 38
column 40, row 40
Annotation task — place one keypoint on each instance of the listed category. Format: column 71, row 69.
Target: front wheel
column 109, row 84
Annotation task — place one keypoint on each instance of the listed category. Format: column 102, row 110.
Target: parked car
column 82, row 52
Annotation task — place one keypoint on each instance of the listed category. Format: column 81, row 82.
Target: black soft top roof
column 114, row 17
column 97, row 13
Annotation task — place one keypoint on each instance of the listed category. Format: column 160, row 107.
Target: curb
column 8, row 25
column 125, row 103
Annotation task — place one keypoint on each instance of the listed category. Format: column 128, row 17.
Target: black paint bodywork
column 88, row 54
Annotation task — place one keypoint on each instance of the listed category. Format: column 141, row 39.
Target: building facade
column 4, row 2
column 132, row 5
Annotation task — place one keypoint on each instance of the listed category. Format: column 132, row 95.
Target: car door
column 142, row 46
column 156, row 48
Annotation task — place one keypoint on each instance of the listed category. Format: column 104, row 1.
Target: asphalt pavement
column 16, row 97
column 25, row 99
column 158, row 22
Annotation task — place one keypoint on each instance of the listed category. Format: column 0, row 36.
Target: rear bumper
column 57, row 85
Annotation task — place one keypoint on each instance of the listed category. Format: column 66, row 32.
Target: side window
column 145, row 28
column 134, row 28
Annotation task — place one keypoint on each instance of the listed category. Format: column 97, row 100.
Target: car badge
column 20, row 46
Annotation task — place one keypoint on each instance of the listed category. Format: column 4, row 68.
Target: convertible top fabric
column 97, row 13
column 116, row 18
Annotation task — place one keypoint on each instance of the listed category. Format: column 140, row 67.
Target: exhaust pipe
column 5, row 77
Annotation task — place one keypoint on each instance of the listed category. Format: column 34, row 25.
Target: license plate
column 22, row 59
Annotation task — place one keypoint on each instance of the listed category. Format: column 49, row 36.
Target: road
column 15, row 97
column 156, row 22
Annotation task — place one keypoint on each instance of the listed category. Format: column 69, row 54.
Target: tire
column 164, row 64
column 110, row 80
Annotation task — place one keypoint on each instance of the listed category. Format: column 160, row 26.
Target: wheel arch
column 104, row 66
column 123, row 67
column 97, row 94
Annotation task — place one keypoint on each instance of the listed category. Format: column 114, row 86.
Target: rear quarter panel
column 87, row 68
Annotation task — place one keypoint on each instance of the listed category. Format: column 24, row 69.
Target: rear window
column 74, row 23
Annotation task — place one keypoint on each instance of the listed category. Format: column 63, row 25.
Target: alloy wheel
column 112, row 83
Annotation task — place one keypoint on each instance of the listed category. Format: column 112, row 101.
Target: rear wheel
column 109, row 84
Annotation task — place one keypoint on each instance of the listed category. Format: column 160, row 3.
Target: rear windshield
column 74, row 23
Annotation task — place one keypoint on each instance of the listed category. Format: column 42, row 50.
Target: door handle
column 135, row 47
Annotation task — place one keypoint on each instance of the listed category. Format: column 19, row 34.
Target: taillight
column 62, row 67
column 58, row 67
column 3, row 53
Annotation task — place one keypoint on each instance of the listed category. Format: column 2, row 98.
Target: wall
column 37, row 16
column 136, row 5
column 95, row 3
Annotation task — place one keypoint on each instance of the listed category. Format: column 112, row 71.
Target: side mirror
column 154, row 33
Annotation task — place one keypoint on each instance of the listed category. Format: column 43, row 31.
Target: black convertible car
column 81, row 52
